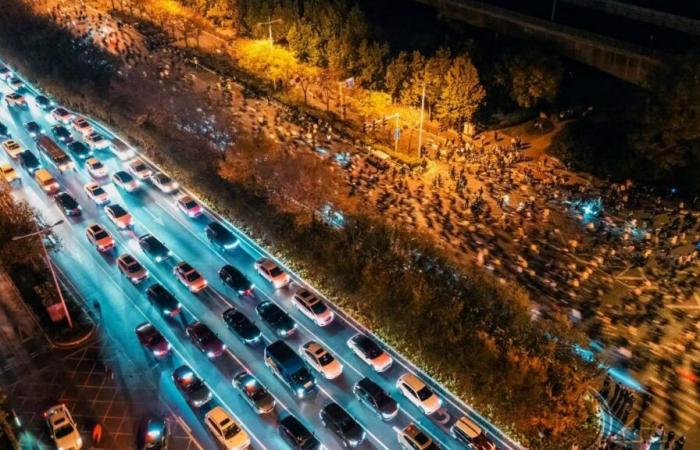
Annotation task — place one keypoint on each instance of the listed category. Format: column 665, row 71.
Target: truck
column 54, row 153
column 289, row 368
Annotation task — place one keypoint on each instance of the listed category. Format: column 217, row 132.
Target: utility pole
column 420, row 130
column 269, row 33
column 554, row 9
column 397, row 130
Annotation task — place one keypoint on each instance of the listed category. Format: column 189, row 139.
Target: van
column 289, row 368
column 47, row 182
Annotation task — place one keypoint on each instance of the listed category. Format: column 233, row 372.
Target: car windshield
column 369, row 347
column 192, row 385
column 101, row 234
column 98, row 191
column 63, row 431
column 301, row 376
column 190, row 204
column 424, row 393
column 192, row 276
column 125, row 177
column 140, row 167
column 325, row 359
column 276, row 271
column 257, row 393
column 422, row 439
column 164, row 179
column 231, row 430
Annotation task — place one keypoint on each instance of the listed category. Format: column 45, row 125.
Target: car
column 150, row 337
column 4, row 132
column 99, row 237
column 62, row 115
column 371, row 395
column 9, row 173
column 164, row 183
column 342, row 425
column 270, row 271
column 125, row 181
column 15, row 83
column 189, row 277
column 234, row 279
column 139, row 169
column 118, row 216
column 191, row 386
column 132, row 269
column 12, row 148
column 67, row 204
column 82, row 126
column 15, row 100
column 96, row 168
column 29, row 161
column 254, row 393
column 205, row 340
column 166, row 302
column 240, row 324
column 418, row 393
column 220, row 236
column 321, row 360
column 369, row 352
column 42, row 102
column 313, row 307
column 296, row 435
column 33, row 128
column 62, row 428
column 189, row 206
column 225, row 429
column 470, row 434
column 275, row 318
column 96, row 141
column 413, row 438
column 122, row 150
column 80, row 150
column 154, row 248
column 62, row 134
column 5, row 72
column 96, row 193
column 46, row 181
column 152, row 434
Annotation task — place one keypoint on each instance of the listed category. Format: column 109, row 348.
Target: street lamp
column 272, row 42
column 39, row 232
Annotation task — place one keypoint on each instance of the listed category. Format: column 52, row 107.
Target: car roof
column 219, row 414
column 468, row 427
column 413, row 381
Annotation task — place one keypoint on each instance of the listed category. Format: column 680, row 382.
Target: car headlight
column 210, row 354
column 159, row 258
column 300, row 392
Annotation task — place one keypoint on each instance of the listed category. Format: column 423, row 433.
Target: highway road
column 124, row 306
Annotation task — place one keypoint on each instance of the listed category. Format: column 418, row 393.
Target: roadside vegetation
column 468, row 330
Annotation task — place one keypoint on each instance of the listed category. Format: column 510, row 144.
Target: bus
column 53, row 153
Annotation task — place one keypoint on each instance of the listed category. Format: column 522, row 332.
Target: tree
column 412, row 87
column 371, row 63
column 397, row 73
column 462, row 95
column 305, row 77
column 17, row 219
column 532, row 76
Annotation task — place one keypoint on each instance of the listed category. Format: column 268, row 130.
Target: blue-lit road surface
column 124, row 306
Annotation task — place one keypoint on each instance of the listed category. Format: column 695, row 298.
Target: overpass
column 623, row 60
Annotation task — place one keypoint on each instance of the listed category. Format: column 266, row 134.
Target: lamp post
column 39, row 232
column 269, row 31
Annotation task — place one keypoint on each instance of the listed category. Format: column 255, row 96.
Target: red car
column 151, row 338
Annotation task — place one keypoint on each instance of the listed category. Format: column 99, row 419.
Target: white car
column 125, row 181
column 15, row 99
column 164, row 183
column 96, row 141
column 370, row 352
column 226, row 430
column 189, row 206
column 189, row 277
column 95, row 192
column 12, row 148
column 139, row 169
column 313, row 307
column 413, row 438
column 96, row 168
column 82, row 126
column 119, row 216
column 62, row 428
column 62, row 115
column 418, row 393
column 269, row 270
column 99, row 237
column 321, row 360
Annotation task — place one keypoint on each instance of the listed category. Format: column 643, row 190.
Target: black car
column 164, row 300
column 234, row 279
column 220, row 236
column 275, row 318
column 29, row 161
column 369, row 393
column 240, row 324
column 33, row 128
column 4, row 133
column 61, row 133
column 43, row 102
column 296, row 435
column 154, row 248
column 80, row 150
column 68, row 204
column 345, row 427
column 192, row 387
column 254, row 393
column 152, row 434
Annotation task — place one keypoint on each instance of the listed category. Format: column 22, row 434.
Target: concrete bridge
column 623, row 60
